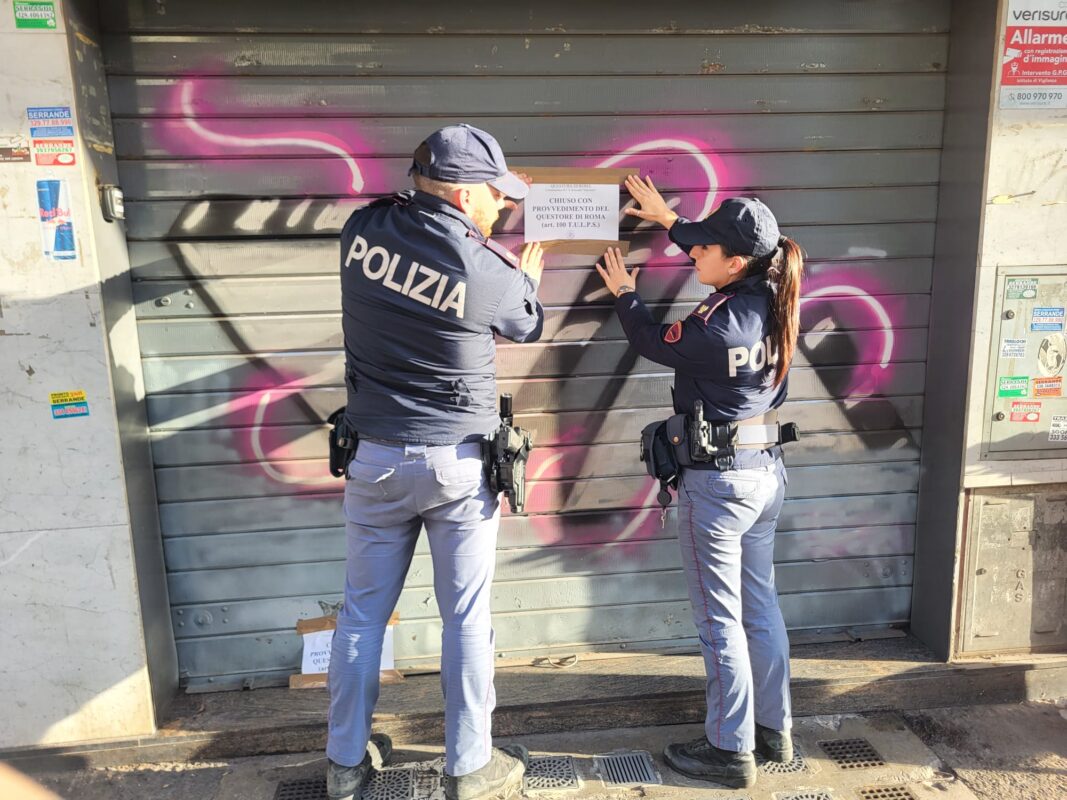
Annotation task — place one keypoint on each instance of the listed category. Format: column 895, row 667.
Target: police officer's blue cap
column 743, row 225
column 465, row 154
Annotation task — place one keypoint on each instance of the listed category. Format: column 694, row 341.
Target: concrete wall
column 1024, row 216
column 73, row 661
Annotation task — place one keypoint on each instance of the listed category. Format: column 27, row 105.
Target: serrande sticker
column 1021, row 289
column 1048, row 387
column 1025, row 412
column 1058, row 431
column 1047, row 319
column 68, row 404
column 1013, row 386
column 35, row 14
column 1013, row 348
column 1051, row 354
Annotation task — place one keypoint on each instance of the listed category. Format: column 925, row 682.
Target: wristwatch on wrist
column 623, row 290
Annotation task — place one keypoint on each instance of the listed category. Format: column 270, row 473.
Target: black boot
column 774, row 745
column 704, row 761
column 499, row 778
column 347, row 783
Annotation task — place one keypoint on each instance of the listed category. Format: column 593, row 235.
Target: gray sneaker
column 497, row 779
column 347, row 783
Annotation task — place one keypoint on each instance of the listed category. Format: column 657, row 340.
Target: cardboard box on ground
column 317, row 633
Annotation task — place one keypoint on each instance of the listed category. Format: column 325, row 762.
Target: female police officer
column 732, row 353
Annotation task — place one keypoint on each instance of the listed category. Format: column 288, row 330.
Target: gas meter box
column 1026, row 402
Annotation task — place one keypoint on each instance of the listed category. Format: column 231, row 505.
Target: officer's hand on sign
column 532, row 260
column 652, row 205
column 615, row 276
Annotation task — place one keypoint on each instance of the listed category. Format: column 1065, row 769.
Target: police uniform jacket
column 722, row 354
column 423, row 293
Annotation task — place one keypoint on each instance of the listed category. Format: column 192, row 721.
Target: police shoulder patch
column 707, row 306
column 502, row 252
column 674, row 333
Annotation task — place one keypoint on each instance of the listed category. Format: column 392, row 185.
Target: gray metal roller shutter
column 248, row 131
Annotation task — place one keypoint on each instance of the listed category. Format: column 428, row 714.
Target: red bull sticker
column 1048, row 387
column 57, row 223
column 68, row 404
column 1025, row 412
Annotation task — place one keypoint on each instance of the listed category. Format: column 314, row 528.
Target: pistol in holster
column 505, row 454
column 343, row 443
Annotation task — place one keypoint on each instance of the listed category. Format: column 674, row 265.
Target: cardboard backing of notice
column 319, row 680
column 579, row 247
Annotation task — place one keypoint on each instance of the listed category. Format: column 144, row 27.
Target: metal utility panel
column 1027, row 410
column 1015, row 584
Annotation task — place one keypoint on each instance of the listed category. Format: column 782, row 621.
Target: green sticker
column 35, row 14
column 1014, row 386
column 1022, row 288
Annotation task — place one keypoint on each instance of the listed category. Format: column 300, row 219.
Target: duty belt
column 685, row 440
column 758, row 433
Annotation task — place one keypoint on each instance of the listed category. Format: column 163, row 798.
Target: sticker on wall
column 53, row 152
column 35, row 14
column 57, row 224
column 1058, row 431
column 1013, row 386
column 1051, row 354
column 1047, row 319
column 1048, row 387
column 1033, row 71
column 1025, row 412
column 1021, row 289
column 1013, row 348
column 52, row 132
column 14, row 147
column 68, row 404
column 48, row 118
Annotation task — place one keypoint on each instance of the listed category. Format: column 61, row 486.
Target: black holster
column 682, row 440
column 505, row 455
column 343, row 443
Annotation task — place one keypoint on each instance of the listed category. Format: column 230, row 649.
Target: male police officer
column 423, row 292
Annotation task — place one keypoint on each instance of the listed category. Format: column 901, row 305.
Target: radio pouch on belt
column 343, row 443
column 664, row 453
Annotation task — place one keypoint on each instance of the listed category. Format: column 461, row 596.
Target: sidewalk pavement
column 1007, row 752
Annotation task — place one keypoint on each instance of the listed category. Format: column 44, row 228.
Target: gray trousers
column 392, row 492
column 726, row 523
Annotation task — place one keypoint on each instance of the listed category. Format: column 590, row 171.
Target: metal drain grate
column 626, row 768
column 885, row 793
column 798, row 764
column 852, row 753
column 302, row 789
column 816, row 794
column 427, row 785
column 390, row 784
column 550, row 774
